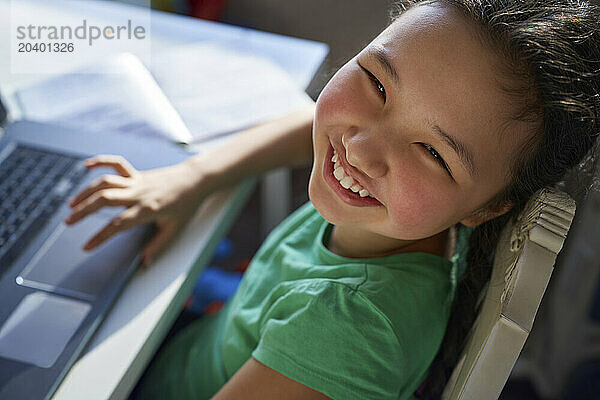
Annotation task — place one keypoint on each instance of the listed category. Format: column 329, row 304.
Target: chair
column 523, row 264
column 561, row 357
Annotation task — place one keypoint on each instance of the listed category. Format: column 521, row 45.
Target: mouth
column 347, row 189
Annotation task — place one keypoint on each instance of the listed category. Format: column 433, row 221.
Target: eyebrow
column 464, row 153
column 380, row 55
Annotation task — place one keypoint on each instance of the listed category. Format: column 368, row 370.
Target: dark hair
column 551, row 51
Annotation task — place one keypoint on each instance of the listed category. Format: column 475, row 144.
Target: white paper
column 218, row 91
column 118, row 95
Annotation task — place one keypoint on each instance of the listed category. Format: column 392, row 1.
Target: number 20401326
column 26, row 47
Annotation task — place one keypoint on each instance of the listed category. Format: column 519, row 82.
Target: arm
column 256, row 381
column 282, row 142
column 170, row 195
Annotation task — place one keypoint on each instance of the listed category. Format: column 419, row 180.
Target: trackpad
column 40, row 327
column 62, row 266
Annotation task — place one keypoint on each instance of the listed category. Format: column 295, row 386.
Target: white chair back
column 523, row 265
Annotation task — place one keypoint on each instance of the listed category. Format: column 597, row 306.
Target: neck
column 354, row 242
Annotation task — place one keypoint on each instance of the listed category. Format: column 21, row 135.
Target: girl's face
column 418, row 119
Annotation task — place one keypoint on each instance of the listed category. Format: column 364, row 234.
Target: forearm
column 282, row 142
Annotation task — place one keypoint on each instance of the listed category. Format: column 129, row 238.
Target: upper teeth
column 347, row 181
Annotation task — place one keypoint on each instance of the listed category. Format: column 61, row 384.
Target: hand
column 166, row 196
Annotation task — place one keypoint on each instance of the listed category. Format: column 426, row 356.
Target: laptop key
column 62, row 188
column 36, row 183
column 16, row 247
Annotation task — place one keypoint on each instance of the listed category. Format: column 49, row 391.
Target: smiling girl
column 423, row 146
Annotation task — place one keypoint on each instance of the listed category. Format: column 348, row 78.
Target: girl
column 423, row 146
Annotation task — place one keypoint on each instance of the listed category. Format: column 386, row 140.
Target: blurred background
column 561, row 359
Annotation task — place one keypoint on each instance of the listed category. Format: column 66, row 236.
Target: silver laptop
column 53, row 294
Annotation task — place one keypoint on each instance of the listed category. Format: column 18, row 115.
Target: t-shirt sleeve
column 331, row 338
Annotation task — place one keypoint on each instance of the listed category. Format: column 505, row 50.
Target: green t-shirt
column 347, row 327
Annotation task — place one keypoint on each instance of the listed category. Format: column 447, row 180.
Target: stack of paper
column 218, row 91
column 203, row 91
column 117, row 94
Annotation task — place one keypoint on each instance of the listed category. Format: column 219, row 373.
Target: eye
column 437, row 157
column 376, row 84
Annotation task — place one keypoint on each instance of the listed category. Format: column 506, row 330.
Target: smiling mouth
column 347, row 189
column 346, row 180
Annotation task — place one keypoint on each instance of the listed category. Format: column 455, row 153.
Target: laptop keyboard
column 33, row 185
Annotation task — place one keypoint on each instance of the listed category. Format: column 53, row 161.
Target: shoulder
column 339, row 300
column 320, row 332
column 416, row 300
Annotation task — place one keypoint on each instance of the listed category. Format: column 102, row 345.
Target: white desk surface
column 125, row 342
column 298, row 57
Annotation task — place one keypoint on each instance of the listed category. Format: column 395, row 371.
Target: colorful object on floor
column 224, row 250
column 243, row 265
column 212, row 289
column 215, row 286
column 211, row 10
column 207, row 9
column 213, row 307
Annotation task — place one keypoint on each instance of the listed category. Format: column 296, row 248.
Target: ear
column 482, row 215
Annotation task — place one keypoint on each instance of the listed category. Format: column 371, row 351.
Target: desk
column 125, row 342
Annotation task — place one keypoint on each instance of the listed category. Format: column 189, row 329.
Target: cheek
column 339, row 103
column 420, row 207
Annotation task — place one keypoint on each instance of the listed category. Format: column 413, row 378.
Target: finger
column 120, row 164
column 157, row 243
column 126, row 220
column 102, row 198
column 104, row 182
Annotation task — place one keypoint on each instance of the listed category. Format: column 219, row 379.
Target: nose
column 365, row 154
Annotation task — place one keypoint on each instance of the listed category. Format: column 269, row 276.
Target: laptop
column 53, row 294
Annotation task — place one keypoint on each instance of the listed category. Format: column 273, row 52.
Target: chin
column 327, row 205
column 321, row 200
